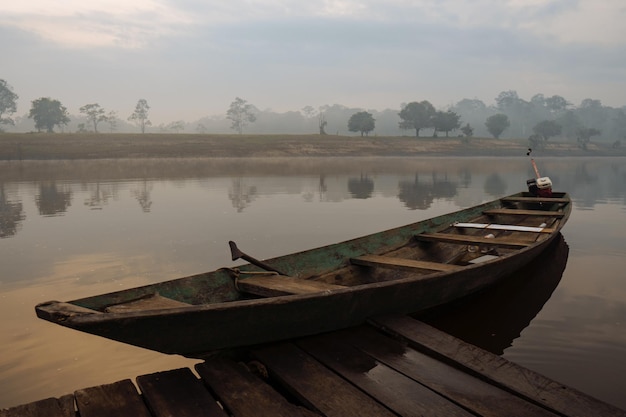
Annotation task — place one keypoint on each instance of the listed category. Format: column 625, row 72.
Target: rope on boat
column 236, row 273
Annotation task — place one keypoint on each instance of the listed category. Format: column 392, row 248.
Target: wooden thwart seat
column 537, row 200
column 401, row 263
column 275, row 285
column 506, row 227
column 525, row 212
column 474, row 240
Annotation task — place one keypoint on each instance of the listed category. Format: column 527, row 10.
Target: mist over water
column 80, row 228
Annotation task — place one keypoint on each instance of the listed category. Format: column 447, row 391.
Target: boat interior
column 521, row 221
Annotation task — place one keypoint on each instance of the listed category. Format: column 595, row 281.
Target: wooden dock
column 393, row 366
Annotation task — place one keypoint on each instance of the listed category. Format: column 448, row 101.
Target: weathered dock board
column 394, row 366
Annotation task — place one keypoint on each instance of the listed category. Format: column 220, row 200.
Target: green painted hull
column 208, row 312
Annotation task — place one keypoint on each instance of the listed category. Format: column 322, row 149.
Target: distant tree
column 570, row 122
column 446, row 121
column 417, row 116
column 497, row 124
column 176, row 126
column 140, row 115
column 95, row 114
column 308, row 111
column 8, row 103
column 48, row 113
column 467, row 130
column 547, row 129
column 536, row 141
column 111, row 119
column 240, row 113
column 321, row 123
column 585, row 134
column 361, row 122
column 201, row 128
column 556, row 104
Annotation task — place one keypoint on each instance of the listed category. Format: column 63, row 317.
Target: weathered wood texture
column 119, row 399
column 244, row 394
column 394, row 366
column 178, row 393
column 275, row 285
column 520, row 212
column 537, row 200
column 402, row 264
column 450, row 383
column 528, row 384
column 477, row 240
column 50, row 407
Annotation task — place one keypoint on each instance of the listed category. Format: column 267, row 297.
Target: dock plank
column 403, row 395
column 178, row 393
column 119, row 399
column 317, row 386
column 244, row 394
column 402, row 264
column 49, row 407
column 505, row 374
column 457, row 386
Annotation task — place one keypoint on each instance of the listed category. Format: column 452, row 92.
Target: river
column 71, row 229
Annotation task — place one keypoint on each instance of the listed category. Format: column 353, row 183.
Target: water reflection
column 241, row 194
column 492, row 320
column 143, row 221
column 100, row 194
column 142, row 194
column 53, row 200
column 416, row 185
column 418, row 195
column 361, row 187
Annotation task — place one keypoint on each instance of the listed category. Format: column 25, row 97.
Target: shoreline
column 72, row 146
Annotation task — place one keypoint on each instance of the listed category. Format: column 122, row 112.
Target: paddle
column 237, row 254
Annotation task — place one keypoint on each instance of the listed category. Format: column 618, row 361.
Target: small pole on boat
column 532, row 161
column 541, row 186
column 238, row 254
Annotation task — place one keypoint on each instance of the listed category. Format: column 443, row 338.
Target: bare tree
column 240, row 113
column 140, row 115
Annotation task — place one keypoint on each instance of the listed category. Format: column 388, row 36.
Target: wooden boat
column 403, row 270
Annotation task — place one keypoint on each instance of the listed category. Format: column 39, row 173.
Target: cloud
column 121, row 23
column 190, row 58
column 99, row 23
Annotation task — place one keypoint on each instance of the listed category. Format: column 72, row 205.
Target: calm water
column 74, row 229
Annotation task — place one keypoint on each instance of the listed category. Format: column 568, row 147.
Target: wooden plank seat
column 148, row 302
column 522, row 212
column 536, row 200
column 401, row 263
column 505, row 227
column 275, row 285
column 473, row 240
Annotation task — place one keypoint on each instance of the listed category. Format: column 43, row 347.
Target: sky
column 191, row 58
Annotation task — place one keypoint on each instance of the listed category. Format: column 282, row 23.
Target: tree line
column 538, row 119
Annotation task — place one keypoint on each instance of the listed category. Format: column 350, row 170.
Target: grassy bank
column 41, row 146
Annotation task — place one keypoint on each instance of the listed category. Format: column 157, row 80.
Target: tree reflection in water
column 11, row 215
column 53, row 201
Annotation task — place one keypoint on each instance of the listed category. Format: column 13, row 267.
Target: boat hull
column 197, row 330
